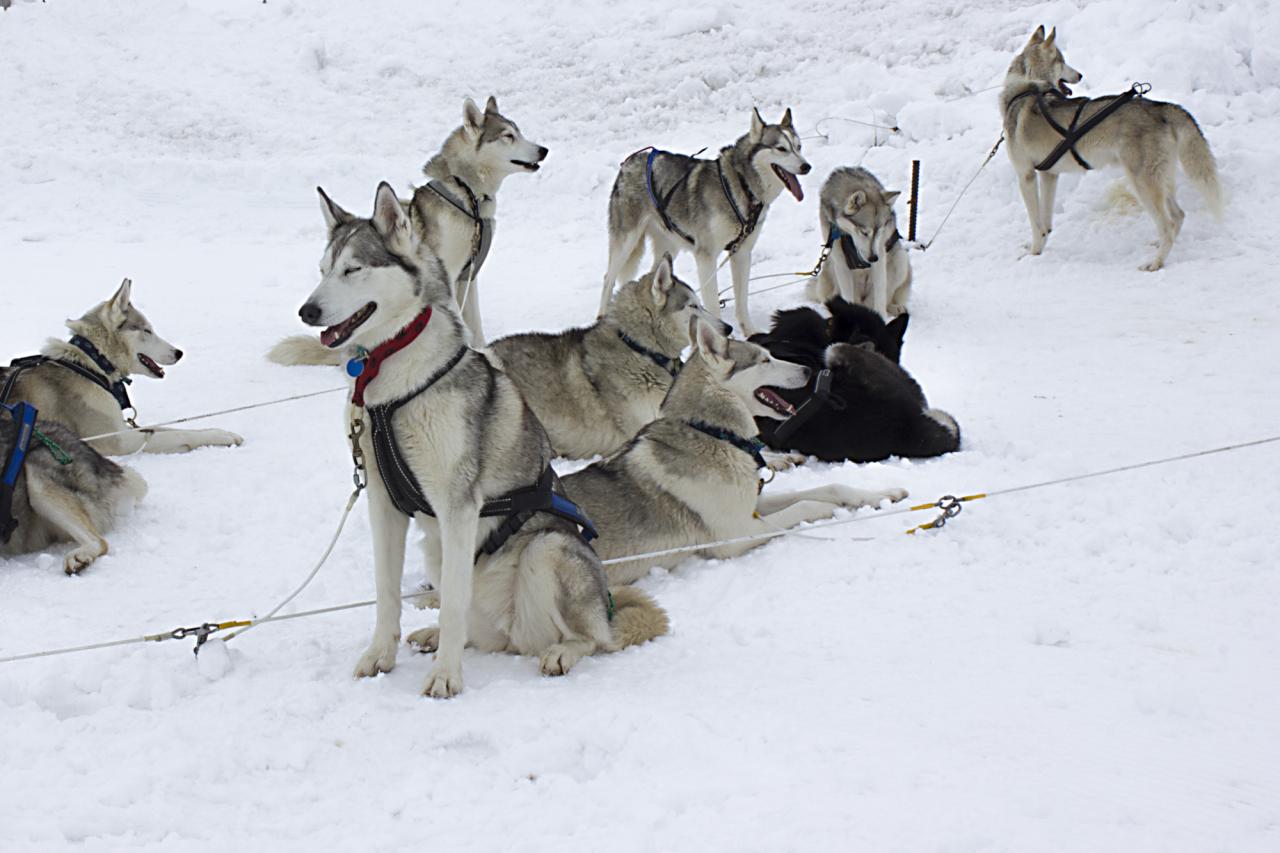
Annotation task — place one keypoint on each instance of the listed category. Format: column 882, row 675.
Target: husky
column 74, row 496
column 593, row 388
column 458, row 440
column 867, row 262
column 83, row 383
column 692, row 475
column 1145, row 137
column 454, row 213
column 872, row 409
column 703, row 206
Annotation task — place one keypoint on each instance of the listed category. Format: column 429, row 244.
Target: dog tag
column 355, row 366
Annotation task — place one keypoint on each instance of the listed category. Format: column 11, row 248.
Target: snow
column 1084, row 667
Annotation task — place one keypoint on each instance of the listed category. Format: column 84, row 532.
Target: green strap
column 58, row 453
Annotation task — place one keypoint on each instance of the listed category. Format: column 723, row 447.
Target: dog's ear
column 894, row 333
column 663, row 279
column 713, row 345
column 855, row 202
column 491, row 106
column 333, row 215
column 891, row 196
column 472, row 118
column 1053, row 34
column 757, row 126
column 1037, row 36
column 118, row 305
column 389, row 218
column 786, row 120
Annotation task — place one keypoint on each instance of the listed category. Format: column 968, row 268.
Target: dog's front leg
column 880, row 286
column 458, row 526
column 471, row 311
column 1031, row 198
column 834, row 494
column 1048, row 189
column 165, row 441
column 740, row 268
column 707, row 284
column 388, row 526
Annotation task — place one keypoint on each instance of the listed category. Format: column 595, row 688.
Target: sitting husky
column 594, row 388
column 1145, row 137
column 693, row 475
column 868, row 264
column 703, row 206
column 83, row 383
column 874, row 409
column 457, row 449
column 74, row 496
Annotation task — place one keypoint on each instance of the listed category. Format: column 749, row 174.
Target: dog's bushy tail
column 637, row 618
column 303, row 349
column 1197, row 160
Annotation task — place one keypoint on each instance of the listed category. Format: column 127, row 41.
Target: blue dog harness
column 24, row 415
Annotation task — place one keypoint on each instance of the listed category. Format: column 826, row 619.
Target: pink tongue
column 793, row 185
column 330, row 335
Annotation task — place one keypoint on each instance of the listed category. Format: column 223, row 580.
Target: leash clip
column 359, row 473
column 200, row 632
column 950, row 506
column 130, row 415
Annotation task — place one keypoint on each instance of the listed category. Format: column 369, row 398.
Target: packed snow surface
column 1085, row 667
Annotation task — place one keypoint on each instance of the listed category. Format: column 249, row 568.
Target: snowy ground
column 1086, row 668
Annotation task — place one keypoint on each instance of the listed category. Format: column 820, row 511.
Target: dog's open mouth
column 149, row 363
column 790, row 181
column 336, row 336
column 1064, row 88
column 774, row 401
column 528, row 166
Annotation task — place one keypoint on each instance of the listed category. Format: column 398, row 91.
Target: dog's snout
column 543, row 151
column 177, row 354
column 808, row 374
column 806, row 169
column 310, row 313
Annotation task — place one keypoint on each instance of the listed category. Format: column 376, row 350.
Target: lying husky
column 868, row 263
column 703, row 206
column 453, row 213
column 594, row 388
column 693, row 475
column 1145, row 137
column 868, row 408
column 457, row 449
column 64, row 492
column 83, row 383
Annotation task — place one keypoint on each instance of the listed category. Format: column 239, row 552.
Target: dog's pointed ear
column 855, row 202
column 891, row 196
column 491, row 106
column 1037, row 36
column 663, row 280
column 713, row 345
column 1053, row 34
column 389, row 217
column 757, row 125
column 786, row 120
column 333, row 215
column 472, row 118
column 895, row 331
column 118, row 305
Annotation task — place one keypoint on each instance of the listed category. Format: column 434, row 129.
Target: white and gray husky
column 693, row 475
column 868, row 263
column 594, row 388
column 704, row 206
column 1144, row 137
column 451, row 438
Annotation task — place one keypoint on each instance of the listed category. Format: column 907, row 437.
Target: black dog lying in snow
column 875, row 409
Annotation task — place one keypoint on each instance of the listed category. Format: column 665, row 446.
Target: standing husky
column 867, row 264
column 1145, row 137
column 693, row 475
column 703, row 206
column 83, row 383
column 594, row 388
column 466, row 458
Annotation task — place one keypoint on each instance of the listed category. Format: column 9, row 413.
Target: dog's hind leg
column 458, row 525
column 64, row 511
column 1048, row 189
column 388, row 526
column 1031, row 198
column 1153, row 184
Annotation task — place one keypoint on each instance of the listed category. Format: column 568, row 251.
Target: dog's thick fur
column 121, row 333
column 1145, row 137
column 674, row 485
column 467, row 438
column 77, row 502
column 854, row 201
column 877, row 409
column 767, row 159
column 589, row 388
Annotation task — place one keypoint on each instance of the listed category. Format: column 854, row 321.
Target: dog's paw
column 222, row 438
column 783, row 461
column 443, row 683
column 892, row 495
column 76, row 561
column 559, row 659
column 379, row 657
column 1152, row 266
column 428, row 599
column 425, row 640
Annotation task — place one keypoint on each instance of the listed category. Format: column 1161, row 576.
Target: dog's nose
column 805, row 169
column 874, row 257
column 543, row 152
column 177, row 354
column 310, row 314
column 726, row 329
column 807, row 373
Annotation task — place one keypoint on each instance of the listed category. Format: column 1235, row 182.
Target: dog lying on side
column 876, row 410
column 594, row 388
column 693, row 475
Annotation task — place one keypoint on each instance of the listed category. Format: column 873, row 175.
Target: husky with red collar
column 449, row 443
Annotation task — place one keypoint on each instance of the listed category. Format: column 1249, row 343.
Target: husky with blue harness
column 707, row 207
column 445, row 440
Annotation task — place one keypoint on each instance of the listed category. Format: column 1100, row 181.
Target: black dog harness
column 1074, row 132
column 471, row 209
column 746, row 222
column 749, row 446
column 116, row 389
column 852, row 258
column 816, row 403
column 666, row 362
column 518, row 506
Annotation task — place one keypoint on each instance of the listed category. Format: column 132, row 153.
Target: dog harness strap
column 373, row 361
column 21, row 365
column 24, row 416
column 894, row 239
column 661, row 203
column 521, row 505
column 1073, row 134
column 749, row 446
column 816, row 403
column 747, row 223
column 117, row 388
column 667, row 363
column 472, row 211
